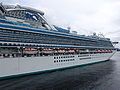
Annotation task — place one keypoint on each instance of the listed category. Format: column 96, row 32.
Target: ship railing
column 14, row 23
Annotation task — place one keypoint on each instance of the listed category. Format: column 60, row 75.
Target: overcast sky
column 83, row 16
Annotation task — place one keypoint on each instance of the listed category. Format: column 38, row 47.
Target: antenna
column 69, row 28
column 101, row 35
column 94, row 34
column 17, row 6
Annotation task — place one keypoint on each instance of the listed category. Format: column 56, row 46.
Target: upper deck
column 25, row 19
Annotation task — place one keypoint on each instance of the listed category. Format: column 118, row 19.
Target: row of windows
column 84, row 58
column 83, row 55
column 7, row 54
column 82, row 38
column 47, row 39
column 14, row 23
column 64, row 57
column 92, row 53
column 67, row 60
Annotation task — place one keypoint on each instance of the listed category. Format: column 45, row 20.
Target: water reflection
column 96, row 77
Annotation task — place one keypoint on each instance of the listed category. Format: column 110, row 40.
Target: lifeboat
column 47, row 51
column 30, row 51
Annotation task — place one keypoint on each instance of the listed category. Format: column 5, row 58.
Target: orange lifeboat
column 30, row 51
column 47, row 51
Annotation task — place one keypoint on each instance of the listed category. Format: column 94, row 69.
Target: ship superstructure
column 28, row 43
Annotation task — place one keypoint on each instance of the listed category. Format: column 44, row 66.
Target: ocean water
column 101, row 76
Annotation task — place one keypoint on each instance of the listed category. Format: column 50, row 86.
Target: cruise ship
column 29, row 44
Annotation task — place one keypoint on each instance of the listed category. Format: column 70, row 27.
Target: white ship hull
column 27, row 65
